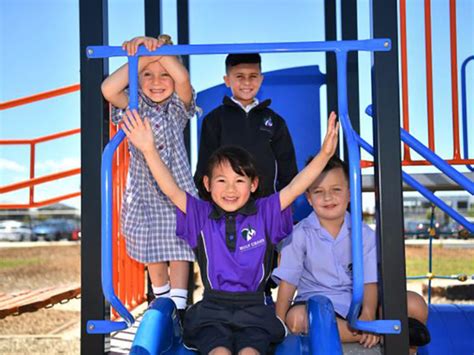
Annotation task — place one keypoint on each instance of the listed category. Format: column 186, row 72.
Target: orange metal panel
column 454, row 78
column 404, row 69
column 39, row 180
column 41, row 203
column 429, row 75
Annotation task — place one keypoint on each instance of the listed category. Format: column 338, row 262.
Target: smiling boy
column 242, row 120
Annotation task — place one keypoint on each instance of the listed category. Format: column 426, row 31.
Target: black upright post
column 349, row 32
column 94, row 134
column 152, row 18
column 183, row 27
column 183, row 38
column 330, row 27
column 385, row 96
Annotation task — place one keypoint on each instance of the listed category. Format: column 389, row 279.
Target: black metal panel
column 349, row 32
column 94, row 134
column 152, row 18
column 389, row 207
column 183, row 27
column 330, row 26
column 183, row 38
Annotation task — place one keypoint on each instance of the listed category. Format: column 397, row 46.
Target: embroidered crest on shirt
column 268, row 122
column 248, row 233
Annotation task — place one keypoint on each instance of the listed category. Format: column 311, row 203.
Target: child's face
column 329, row 196
column 244, row 80
column 229, row 190
column 156, row 83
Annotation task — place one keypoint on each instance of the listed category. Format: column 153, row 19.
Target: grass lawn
column 12, row 263
column 446, row 261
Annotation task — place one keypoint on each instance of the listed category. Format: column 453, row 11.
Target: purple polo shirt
column 318, row 264
column 234, row 250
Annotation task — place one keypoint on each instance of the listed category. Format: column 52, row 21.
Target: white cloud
column 11, row 165
column 50, row 166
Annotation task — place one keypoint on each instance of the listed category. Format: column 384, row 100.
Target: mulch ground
column 44, row 331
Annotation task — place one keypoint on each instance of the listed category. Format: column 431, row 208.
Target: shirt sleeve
column 278, row 223
column 190, row 224
column 282, row 146
column 370, row 254
column 179, row 111
column 292, row 258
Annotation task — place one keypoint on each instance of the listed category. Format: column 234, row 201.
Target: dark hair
column 334, row 163
column 244, row 58
column 239, row 159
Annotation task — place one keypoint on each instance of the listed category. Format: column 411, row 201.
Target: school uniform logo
column 268, row 122
column 248, row 233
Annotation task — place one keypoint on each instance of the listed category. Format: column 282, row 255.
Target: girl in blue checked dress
column 148, row 218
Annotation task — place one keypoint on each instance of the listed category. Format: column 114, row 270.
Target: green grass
column 16, row 263
column 456, row 263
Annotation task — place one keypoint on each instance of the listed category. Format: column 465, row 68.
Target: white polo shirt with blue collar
column 319, row 264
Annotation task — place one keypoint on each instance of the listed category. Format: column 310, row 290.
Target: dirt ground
column 56, row 330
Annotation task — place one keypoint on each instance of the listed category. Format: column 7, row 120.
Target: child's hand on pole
column 138, row 131
column 332, row 134
column 150, row 43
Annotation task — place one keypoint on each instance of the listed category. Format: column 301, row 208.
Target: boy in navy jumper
column 233, row 236
column 243, row 121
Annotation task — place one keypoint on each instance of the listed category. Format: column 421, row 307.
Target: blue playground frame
column 340, row 49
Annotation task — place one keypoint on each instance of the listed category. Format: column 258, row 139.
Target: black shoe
column 419, row 334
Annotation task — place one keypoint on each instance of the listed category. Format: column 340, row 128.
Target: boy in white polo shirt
column 317, row 260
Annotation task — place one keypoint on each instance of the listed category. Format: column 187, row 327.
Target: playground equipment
column 340, row 49
column 352, row 139
column 385, row 99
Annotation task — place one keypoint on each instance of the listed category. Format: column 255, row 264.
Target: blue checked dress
column 148, row 217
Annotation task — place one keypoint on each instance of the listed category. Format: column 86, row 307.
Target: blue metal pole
column 379, row 326
column 465, row 128
column 196, row 49
column 107, row 326
column 437, row 161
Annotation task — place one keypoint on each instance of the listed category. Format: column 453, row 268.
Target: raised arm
column 113, row 87
column 306, row 176
column 141, row 136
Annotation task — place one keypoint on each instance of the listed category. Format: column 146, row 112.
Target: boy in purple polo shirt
column 233, row 236
column 317, row 260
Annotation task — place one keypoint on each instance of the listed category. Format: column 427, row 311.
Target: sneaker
column 419, row 334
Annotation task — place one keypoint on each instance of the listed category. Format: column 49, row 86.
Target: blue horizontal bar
column 383, row 44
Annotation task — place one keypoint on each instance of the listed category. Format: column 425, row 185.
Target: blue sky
column 40, row 41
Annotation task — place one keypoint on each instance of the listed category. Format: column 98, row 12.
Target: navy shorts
column 234, row 320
